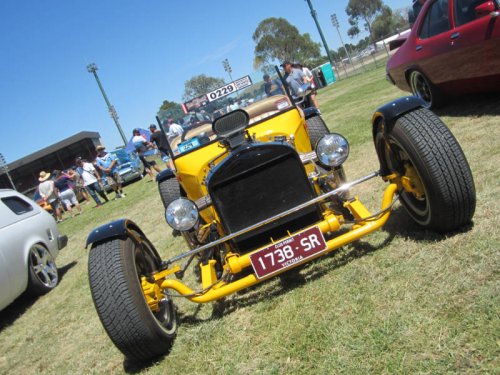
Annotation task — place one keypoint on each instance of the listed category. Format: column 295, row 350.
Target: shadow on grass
column 22, row 303
column 471, row 105
column 131, row 366
column 399, row 224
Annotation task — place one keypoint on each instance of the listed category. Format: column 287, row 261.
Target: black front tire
column 170, row 190
column 316, row 128
column 420, row 142
column 115, row 267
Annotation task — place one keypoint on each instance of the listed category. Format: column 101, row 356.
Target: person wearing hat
column 48, row 192
column 107, row 164
column 294, row 78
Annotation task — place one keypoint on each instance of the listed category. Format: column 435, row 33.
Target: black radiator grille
column 260, row 183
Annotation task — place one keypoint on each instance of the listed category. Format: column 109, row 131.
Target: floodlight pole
column 5, row 169
column 335, row 23
column 227, row 68
column 313, row 14
column 92, row 68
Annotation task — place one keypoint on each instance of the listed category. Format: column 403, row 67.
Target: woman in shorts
column 66, row 193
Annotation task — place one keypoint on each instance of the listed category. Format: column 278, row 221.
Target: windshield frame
column 287, row 94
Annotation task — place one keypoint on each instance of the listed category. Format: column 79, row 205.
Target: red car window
column 436, row 20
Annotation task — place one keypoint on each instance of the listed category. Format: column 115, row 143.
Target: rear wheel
column 115, row 270
column 424, row 89
column 437, row 188
column 43, row 274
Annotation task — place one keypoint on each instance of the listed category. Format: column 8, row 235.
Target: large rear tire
column 115, row 268
column 439, row 192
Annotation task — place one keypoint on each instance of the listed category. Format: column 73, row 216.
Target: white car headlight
column 332, row 150
column 182, row 214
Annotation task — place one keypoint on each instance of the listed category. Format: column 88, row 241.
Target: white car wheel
column 42, row 270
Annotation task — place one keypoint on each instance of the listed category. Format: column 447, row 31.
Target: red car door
column 432, row 44
column 475, row 45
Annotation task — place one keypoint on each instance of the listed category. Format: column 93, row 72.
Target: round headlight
column 182, row 214
column 332, row 150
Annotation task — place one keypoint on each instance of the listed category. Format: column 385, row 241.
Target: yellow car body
column 260, row 191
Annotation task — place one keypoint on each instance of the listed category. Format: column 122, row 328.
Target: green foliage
column 199, row 85
column 387, row 23
column 170, row 109
column 277, row 40
column 362, row 10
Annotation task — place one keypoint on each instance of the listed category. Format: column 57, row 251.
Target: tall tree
column 277, row 40
column 365, row 11
column 388, row 23
column 170, row 109
column 199, row 85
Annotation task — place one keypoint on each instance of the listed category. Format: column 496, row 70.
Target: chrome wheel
column 421, row 88
column 43, row 268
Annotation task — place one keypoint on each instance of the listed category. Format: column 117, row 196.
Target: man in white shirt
column 174, row 130
column 90, row 178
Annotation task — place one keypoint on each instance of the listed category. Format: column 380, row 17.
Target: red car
column 453, row 48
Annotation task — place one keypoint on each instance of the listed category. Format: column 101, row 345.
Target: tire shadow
column 484, row 104
column 22, row 303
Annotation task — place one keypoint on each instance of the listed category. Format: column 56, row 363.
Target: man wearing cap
column 295, row 78
column 107, row 164
column 158, row 138
column 48, row 192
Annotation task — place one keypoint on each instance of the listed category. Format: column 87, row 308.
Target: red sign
column 288, row 252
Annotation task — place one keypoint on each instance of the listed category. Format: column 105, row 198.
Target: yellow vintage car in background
column 257, row 188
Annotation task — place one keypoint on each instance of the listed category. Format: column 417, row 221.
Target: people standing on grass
column 66, row 193
column 48, row 192
column 141, row 146
column 90, row 179
column 107, row 164
column 159, row 139
column 78, row 187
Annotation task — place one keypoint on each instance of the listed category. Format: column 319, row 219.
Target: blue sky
column 145, row 51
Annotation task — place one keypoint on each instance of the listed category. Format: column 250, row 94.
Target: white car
column 29, row 243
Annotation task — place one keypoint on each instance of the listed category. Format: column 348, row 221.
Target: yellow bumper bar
column 236, row 263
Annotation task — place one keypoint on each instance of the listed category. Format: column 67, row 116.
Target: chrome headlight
column 182, row 214
column 332, row 150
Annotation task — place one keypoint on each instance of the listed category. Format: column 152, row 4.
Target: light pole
column 5, row 169
column 227, row 68
column 313, row 14
column 92, row 68
column 335, row 23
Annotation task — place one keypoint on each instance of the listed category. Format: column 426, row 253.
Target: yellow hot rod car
column 258, row 188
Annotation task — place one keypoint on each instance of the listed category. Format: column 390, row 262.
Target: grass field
column 401, row 300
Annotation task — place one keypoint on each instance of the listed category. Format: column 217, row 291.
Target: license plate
column 189, row 145
column 288, row 252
